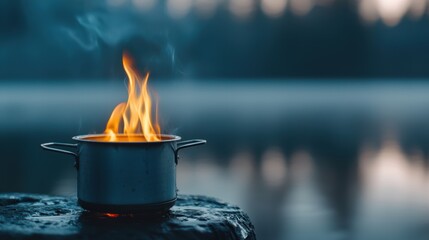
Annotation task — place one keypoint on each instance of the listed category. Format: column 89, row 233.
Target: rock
column 25, row 216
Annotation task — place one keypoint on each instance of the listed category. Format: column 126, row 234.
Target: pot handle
column 47, row 146
column 188, row 143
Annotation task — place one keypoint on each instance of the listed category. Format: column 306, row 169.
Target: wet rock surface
column 25, row 216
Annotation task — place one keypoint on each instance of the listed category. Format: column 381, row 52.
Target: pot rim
column 88, row 138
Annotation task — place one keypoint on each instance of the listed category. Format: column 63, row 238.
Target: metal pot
column 125, row 177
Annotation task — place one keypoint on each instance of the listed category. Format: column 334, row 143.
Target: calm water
column 305, row 160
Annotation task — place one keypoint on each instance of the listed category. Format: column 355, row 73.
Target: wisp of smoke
column 110, row 29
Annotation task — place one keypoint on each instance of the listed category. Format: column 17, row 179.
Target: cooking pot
column 125, row 176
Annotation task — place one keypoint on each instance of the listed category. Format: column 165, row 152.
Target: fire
column 111, row 215
column 132, row 121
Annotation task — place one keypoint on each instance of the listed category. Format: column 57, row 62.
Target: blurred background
column 316, row 111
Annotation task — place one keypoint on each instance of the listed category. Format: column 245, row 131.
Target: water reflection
column 305, row 197
column 305, row 208
column 394, row 196
column 273, row 167
column 312, row 163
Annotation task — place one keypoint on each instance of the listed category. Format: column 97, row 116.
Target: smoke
column 145, row 36
column 85, row 39
column 95, row 27
column 170, row 51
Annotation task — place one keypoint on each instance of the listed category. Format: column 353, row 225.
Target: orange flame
column 132, row 121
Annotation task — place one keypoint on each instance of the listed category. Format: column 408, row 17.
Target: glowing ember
column 111, row 215
column 133, row 119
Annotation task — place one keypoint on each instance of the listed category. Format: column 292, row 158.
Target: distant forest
column 80, row 40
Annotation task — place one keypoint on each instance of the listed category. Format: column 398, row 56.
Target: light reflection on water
column 311, row 163
column 289, row 199
column 394, row 195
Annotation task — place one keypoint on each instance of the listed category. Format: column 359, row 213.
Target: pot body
column 126, row 177
column 126, row 174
